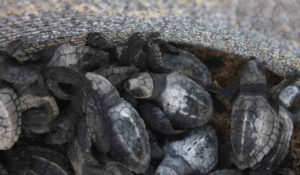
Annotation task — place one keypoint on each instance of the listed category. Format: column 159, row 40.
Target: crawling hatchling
column 10, row 117
column 255, row 124
column 184, row 102
column 196, row 152
column 130, row 143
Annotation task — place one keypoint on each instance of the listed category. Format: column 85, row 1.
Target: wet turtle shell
column 130, row 144
column 183, row 101
column 226, row 172
column 10, row 117
column 3, row 170
column 78, row 57
column 195, row 152
column 117, row 75
column 188, row 64
column 276, row 156
column 255, row 124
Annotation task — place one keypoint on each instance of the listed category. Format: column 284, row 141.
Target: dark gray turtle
column 130, row 144
column 195, row 153
column 86, row 164
column 17, row 50
column 185, row 103
column 156, row 119
column 255, row 124
column 10, row 117
column 78, row 57
column 16, row 73
column 226, row 172
column 117, row 75
column 188, row 64
column 95, row 40
column 3, row 170
column 68, row 84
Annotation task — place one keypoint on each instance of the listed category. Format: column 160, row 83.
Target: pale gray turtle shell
column 3, row 170
column 69, row 55
column 185, row 103
column 255, row 130
column 188, row 64
column 281, row 148
column 10, row 118
column 129, row 136
column 226, row 172
column 117, row 75
column 196, row 152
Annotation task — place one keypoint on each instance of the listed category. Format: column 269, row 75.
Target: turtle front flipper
column 10, row 118
column 157, row 119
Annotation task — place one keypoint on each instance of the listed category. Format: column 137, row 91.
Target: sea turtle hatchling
column 68, row 84
column 195, row 153
column 255, row 124
column 95, row 40
column 82, row 58
column 10, row 117
column 184, row 102
column 130, row 144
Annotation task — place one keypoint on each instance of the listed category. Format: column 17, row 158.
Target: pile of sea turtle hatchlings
column 141, row 107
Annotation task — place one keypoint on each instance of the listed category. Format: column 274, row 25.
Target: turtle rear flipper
column 157, row 120
column 16, row 49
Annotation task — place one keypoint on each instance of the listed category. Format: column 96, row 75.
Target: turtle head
column 140, row 86
column 60, row 132
column 96, row 40
column 253, row 73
